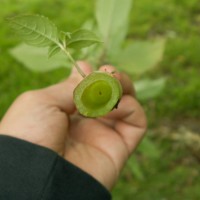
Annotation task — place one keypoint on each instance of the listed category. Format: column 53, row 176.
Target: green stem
column 73, row 61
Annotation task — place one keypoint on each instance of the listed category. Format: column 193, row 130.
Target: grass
column 173, row 173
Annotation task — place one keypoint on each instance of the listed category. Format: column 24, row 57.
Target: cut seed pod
column 97, row 94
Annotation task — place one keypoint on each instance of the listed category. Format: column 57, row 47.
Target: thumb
column 62, row 93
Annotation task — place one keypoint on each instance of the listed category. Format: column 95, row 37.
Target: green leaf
column 135, row 168
column 53, row 50
column 112, row 19
column 36, row 59
column 92, row 53
column 66, row 34
column 147, row 88
column 149, row 149
column 82, row 38
column 90, row 25
column 35, row 30
column 140, row 56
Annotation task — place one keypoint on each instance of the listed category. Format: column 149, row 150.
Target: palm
column 94, row 146
column 101, row 146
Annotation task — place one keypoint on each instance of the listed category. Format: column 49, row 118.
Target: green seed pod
column 97, row 94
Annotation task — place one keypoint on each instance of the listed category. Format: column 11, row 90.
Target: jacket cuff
column 29, row 171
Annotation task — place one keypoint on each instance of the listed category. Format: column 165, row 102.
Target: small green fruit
column 97, row 94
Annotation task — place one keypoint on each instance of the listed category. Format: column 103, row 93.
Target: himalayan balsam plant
column 99, row 92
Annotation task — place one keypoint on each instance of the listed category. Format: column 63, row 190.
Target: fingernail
column 108, row 68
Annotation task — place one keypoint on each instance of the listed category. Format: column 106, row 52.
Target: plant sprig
column 39, row 31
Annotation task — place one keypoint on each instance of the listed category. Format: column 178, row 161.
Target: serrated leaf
column 112, row 19
column 53, row 50
column 82, row 38
column 35, row 30
column 147, row 88
column 36, row 59
column 140, row 56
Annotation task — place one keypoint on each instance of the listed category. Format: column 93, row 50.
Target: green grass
column 174, row 174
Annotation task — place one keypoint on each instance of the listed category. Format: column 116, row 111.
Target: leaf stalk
column 80, row 71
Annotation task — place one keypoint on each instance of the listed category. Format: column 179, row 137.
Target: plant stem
column 73, row 61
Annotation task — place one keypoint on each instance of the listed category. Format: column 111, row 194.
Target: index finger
column 124, row 79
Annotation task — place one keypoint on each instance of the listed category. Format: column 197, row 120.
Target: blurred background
column 166, row 165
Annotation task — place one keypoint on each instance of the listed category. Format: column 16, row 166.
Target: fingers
column 131, row 121
column 62, row 93
column 129, row 116
column 127, row 84
column 124, row 79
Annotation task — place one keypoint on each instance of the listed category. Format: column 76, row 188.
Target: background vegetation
column 167, row 168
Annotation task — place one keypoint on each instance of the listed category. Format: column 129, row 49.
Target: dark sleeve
column 32, row 172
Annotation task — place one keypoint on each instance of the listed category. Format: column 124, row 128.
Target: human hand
column 100, row 147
